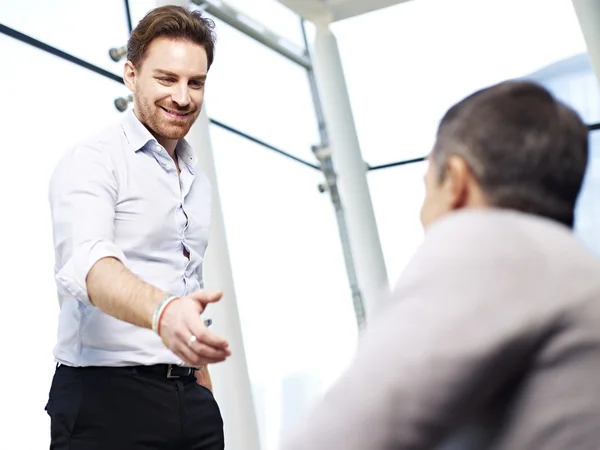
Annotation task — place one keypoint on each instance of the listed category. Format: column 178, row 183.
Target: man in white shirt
column 491, row 337
column 131, row 215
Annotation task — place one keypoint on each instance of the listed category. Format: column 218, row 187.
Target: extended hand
column 184, row 333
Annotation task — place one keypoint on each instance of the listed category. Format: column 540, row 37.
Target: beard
column 160, row 125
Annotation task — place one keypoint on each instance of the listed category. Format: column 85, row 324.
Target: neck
column 168, row 144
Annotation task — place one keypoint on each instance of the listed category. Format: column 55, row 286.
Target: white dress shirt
column 119, row 195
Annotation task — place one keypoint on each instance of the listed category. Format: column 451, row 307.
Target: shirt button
column 168, row 166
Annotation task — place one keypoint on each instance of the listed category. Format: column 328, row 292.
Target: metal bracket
column 323, row 154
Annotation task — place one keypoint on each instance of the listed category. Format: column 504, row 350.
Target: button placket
column 185, row 184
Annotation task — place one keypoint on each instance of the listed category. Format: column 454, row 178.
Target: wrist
column 160, row 310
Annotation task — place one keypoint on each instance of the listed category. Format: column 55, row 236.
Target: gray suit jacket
column 490, row 340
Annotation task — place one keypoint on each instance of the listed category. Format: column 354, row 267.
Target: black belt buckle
column 174, row 371
column 170, row 373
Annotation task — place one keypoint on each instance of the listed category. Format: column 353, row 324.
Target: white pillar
column 231, row 381
column 350, row 168
column 588, row 14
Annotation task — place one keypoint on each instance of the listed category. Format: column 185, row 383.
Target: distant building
column 298, row 393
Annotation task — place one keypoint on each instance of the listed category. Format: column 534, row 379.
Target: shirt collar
column 140, row 138
column 186, row 154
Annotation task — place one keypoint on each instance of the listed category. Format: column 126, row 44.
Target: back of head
column 526, row 150
column 173, row 22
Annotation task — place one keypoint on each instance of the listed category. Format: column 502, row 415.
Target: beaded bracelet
column 158, row 312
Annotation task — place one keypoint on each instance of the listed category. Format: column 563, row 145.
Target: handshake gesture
column 177, row 321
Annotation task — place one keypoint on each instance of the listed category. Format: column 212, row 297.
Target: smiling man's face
column 168, row 87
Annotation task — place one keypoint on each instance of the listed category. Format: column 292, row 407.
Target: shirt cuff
column 71, row 278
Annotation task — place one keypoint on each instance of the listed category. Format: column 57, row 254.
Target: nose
column 181, row 95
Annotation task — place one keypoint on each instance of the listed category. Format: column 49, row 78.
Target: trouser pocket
column 63, row 406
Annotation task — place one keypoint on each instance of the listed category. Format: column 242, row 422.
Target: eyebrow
column 171, row 74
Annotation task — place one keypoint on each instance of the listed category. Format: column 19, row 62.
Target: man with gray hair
column 491, row 337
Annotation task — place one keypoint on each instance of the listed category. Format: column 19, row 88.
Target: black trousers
column 131, row 408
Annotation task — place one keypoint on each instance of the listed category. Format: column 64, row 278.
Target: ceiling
column 334, row 10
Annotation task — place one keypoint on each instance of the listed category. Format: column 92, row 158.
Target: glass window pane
column 139, row 8
column 254, row 89
column 419, row 62
column 587, row 214
column 397, row 194
column 295, row 305
column 573, row 81
column 45, row 119
column 83, row 29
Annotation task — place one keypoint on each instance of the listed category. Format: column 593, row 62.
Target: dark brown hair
column 527, row 150
column 174, row 22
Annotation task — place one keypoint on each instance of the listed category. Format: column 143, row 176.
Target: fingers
column 193, row 355
column 186, row 354
column 201, row 346
column 202, row 352
column 204, row 296
column 205, row 336
column 196, row 352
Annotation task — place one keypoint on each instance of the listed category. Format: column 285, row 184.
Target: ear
column 130, row 76
column 457, row 182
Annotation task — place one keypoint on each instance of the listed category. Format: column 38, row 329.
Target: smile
column 175, row 115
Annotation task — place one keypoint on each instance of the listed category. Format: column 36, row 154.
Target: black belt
column 168, row 370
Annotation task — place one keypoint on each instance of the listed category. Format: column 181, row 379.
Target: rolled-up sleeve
column 83, row 196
